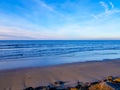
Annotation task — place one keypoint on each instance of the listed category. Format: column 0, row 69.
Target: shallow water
column 28, row 53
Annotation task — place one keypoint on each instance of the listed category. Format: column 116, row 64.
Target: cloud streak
column 44, row 5
column 109, row 10
column 112, row 6
column 40, row 3
column 105, row 6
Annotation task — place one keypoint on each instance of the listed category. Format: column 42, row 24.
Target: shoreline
column 57, row 65
column 17, row 79
column 28, row 63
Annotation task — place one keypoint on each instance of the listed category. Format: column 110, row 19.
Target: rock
column 41, row 88
column 29, row 88
column 105, row 86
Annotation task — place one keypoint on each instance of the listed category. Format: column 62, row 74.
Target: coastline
column 17, row 79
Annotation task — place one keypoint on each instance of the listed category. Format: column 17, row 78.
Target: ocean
column 32, row 53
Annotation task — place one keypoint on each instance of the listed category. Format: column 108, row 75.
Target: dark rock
column 40, row 88
column 29, row 88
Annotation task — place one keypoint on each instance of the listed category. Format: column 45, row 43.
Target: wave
column 23, row 49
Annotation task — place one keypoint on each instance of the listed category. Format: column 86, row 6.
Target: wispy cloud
column 105, row 6
column 41, row 3
column 109, row 9
column 17, row 32
column 112, row 6
column 48, row 7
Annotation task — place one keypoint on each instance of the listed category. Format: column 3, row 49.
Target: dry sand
column 87, row 71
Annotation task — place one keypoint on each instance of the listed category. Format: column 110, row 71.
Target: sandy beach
column 19, row 79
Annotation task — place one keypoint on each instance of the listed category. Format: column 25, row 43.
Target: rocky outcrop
column 108, row 84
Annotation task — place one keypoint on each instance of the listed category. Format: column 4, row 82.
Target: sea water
column 32, row 53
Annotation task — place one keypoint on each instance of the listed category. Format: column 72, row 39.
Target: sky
column 59, row 19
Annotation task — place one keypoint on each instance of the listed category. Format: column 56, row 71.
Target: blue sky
column 59, row 19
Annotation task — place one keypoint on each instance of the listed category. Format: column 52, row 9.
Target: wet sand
column 18, row 79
